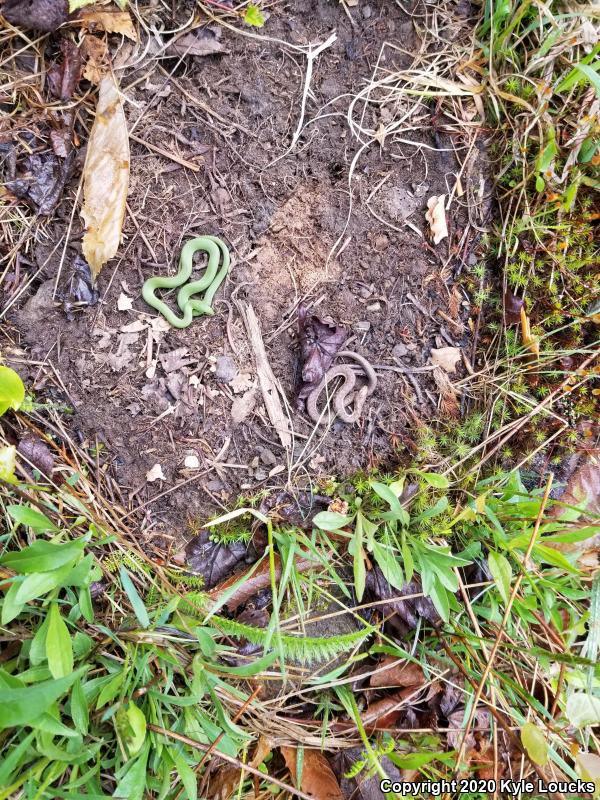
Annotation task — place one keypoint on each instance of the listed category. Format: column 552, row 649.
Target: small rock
column 374, row 307
column 226, row 369
column 260, row 474
column 399, row 350
column 267, row 456
column 363, row 325
column 367, row 12
column 382, row 242
column 155, row 474
column 191, row 462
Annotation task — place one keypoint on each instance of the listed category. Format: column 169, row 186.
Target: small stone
column 367, row 12
column 267, row 456
column 363, row 325
column 254, row 463
column 191, row 462
column 226, row 369
column 260, row 474
column 374, row 307
column 399, row 350
column 382, row 242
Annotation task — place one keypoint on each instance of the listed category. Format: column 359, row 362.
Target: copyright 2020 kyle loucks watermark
column 506, row 787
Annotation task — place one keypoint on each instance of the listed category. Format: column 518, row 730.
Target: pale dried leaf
column 155, row 474
column 263, row 749
column 436, row 217
column 241, row 383
column 397, row 672
column 105, row 178
column 317, row 778
column 197, row 43
column 109, row 21
column 95, row 52
column 242, row 407
column 124, row 303
column 446, row 358
column 532, row 343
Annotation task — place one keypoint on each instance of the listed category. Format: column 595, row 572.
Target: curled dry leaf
column 63, row 76
column 110, row 21
column 37, row 453
column 105, row 178
column 155, row 474
column 95, row 53
column 213, row 561
column 320, row 340
column 436, row 217
column 446, row 358
column 206, row 42
column 317, row 779
column 395, row 672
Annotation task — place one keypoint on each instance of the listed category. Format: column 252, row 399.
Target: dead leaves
column 97, row 61
column 317, row 778
column 320, row 340
column 109, row 21
column 205, row 42
column 446, row 357
column 436, row 217
column 105, row 178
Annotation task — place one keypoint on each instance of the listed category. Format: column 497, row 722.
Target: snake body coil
column 345, row 393
column 213, row 277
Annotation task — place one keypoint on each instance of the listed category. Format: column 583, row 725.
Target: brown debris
column 38, row 15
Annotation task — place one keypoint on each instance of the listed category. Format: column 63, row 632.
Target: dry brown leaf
column 263, row 748
column 223, row 782
column 402, row 673
column 105, row 178
column 95, row 52
column 446, row 358
column 109, row 21
column 317, row 778
column 436, row 217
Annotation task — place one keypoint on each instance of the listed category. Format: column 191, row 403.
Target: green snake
column 213, row 277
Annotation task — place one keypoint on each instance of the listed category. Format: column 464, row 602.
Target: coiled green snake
column 213, row 277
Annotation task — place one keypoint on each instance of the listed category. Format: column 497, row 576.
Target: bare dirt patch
column 150, row 394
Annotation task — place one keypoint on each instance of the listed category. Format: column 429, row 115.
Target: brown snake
column 341, row 397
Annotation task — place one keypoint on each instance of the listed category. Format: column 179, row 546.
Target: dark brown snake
column 345, row 393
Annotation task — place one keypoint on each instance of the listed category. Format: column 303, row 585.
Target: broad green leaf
column 37, row 650
column 580, row 73
column 433, row 479
column 139, row 609
column 25, row 515
column 355, row 548
column 59, row 650
column 110, row 690
column 75, row 5
column 187, row 775
column 132, row 786
column 8, row 462
column 535, row 743
column 22, row 706
column 331, row 520
column 412, row 760
column 409, row 564
column 253, row 668
column 254, row 16
column 12, row 391
column 388, row 495
column 439, row 598
column 583, row 709
column 42, row 556
column 554, row 557
column 49, row 724
column 85, row 604
column 501, row 571
column 40, row 583
column 388, row 563
column 137, row 724
column 11, row 607
column 79, row 709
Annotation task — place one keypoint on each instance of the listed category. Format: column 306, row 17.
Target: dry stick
column 505, row 617
column 166, row 153
column 236, row 762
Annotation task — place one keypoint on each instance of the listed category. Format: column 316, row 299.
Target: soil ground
column 281, row 213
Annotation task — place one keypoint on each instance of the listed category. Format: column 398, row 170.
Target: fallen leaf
column 124, row 303
column 588, row 766
column 213, row 561
column 320, row 340
column 259, row 579
column 241, row 382
column 205, row 42
column 37, row 453
column 176, row 359
column 402, row 607
column 242, row 407
column 436, row 217
column 155, row 474
column 317, row 779
column 137, row 326
column 63, row 76
column 583, row 709
column 446, row 358
column 191, row 462
column 78, row 288
column 386, row 712
column 95, row 52
column 512, row 308
column 535, row 743
column 395, row 672
column 109, row 21
column 263, row 749
column 39, row 15
column 41, row 180
column 105, row 178
column 223, row 782
column 60, row 137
